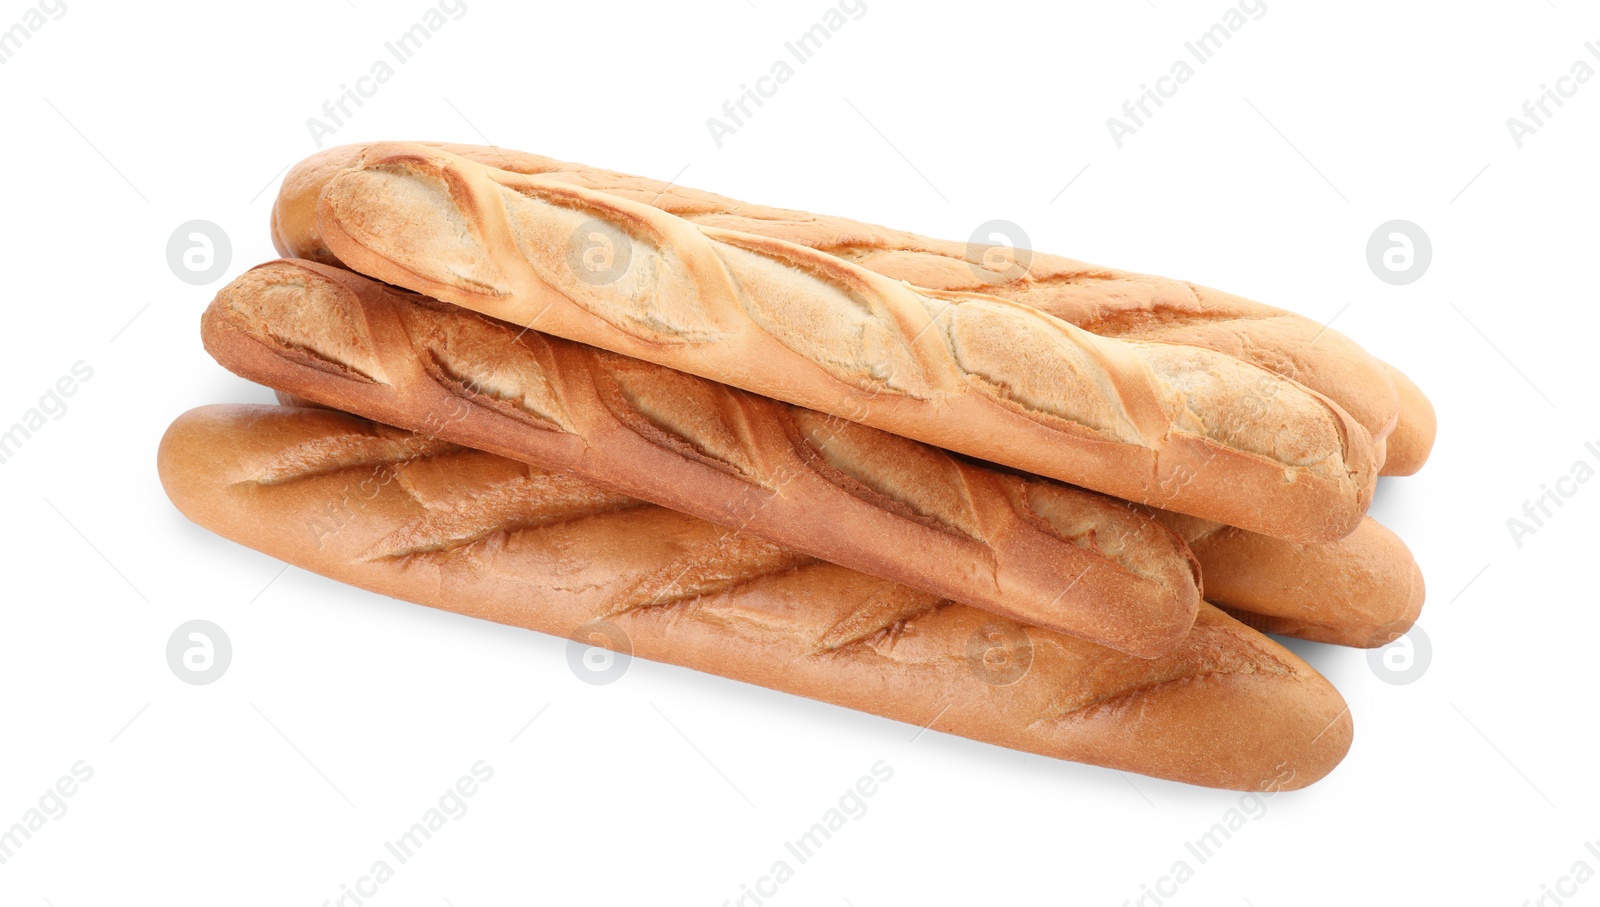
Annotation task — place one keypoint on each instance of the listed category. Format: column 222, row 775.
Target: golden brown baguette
column 1272, row 584
column 1037, row 551
column 1102, row 300
column 1408, row 447
column 473, row 533
column 1180, row 427
column 1364, row 590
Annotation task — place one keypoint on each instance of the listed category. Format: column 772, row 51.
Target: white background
column 345, row 715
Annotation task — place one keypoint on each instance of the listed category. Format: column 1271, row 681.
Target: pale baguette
column 473, row 533
column 1102, row 300
column 1180, row 427
column 1031, row 549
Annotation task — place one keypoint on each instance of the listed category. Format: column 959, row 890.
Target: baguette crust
column 1033, row 550
column 1179, row 427
column 1102, row 300
column 1364, row 590
column 1412, row 441
column 466, row 531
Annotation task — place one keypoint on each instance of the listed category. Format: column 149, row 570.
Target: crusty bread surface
column 1102, row 300
column 1034, row 550
column 466, row 531
column 1181, row 427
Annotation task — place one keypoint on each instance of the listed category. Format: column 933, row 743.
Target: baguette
column 1036, row 551
column 1179, row 427
column 469, row 532
column 1102, row 300
column 1363, row 590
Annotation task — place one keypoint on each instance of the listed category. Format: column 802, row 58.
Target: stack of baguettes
column 829, row 458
